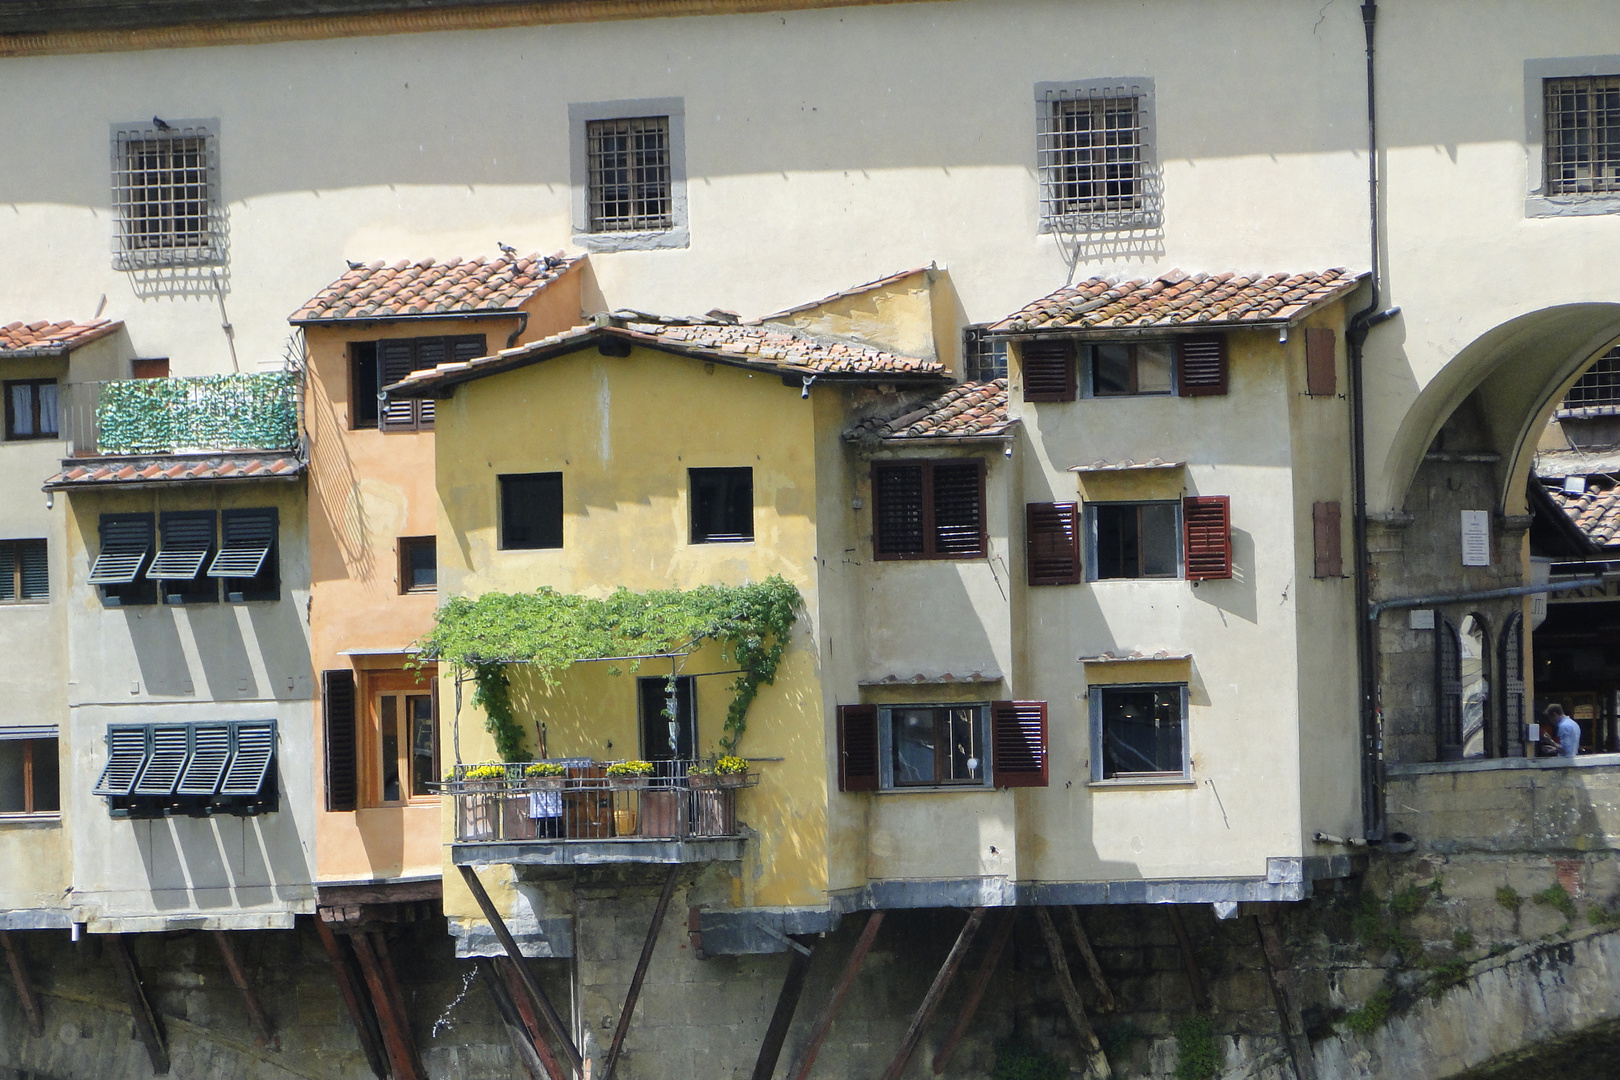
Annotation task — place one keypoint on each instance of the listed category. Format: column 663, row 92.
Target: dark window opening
column 936, row 745
column 531, row 511
column 657, row 727
column 1120, row 370
column 25, row 576
column 418, row 564
column 1582, row 135
column 722, row 505
column 376, row 365
column 928, row 510
column 154, row 367
column 1135, row 540
column 31, row 409
column 1141, row 730
column 363, row 385
column 30, row 780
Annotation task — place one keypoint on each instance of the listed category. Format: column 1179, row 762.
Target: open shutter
column 1052, row 538
column 125, row 542
column 1207, row 532
column 1509, row 742
column 1326, row 534
column 430, row 353
column 187, row 539
column 1048, row 370
column 36, row 570
column 1201, row 366
column 396, row 359
column 1321, row 374
column 857, row 748
column 171, row 745
column 897, row 511
column 958, row 508
column 1018, row 737
column 338, row 724
column 210, row 752
column 9, row 555
column 246, row 542
column 127, row 748
column 250, row 763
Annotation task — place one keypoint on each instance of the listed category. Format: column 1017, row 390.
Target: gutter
column 430, row 316
column 1489, row 594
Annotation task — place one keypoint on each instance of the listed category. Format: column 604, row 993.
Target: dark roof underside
column 40, row 16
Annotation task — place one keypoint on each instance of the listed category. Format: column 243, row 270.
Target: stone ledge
column 598, row 852
column 1430, row 768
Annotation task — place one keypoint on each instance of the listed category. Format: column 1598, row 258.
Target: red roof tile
column 972, row 410
column 1596, row 511
column 456, row 287
column 166, row 470
column 53, row 337
column 1177, row 299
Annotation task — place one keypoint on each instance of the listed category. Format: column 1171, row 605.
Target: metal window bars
column 984, row 356
column 629, row 186
column 1582, row 125
column 1598, row 387
column 166, row 196
column 1093, row 156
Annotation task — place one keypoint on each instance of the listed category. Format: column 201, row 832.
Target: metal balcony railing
column 588, row 805
column 253, row 411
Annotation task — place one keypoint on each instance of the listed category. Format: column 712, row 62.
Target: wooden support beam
column 522, row 1040
column 1105, row 995
column 559, row 1030
column 1288, row 1016
column 1090, row 1048
column 981, row 982
column 829, row 1012
column 930, row 1001
column 396, row 1033
column 263, row 1034
column 25, row 989
column 148, row 1024
column 640, row 976
column 531, row 1021
column 1189, row 962
column 787, row 1003
column 365, row 1022
column 379, row 945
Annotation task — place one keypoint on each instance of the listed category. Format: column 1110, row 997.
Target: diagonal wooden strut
column 559, row 1030
column 623, row 1028
column 1105, row 995
column 531, row 1021
column 1189, row 962
column 148, row 1024
column 829, row 1012
column 1096, row 1060
column 522, row 1040
column 1293, row 1026
column 365, row 1022
column 787, row 1003
column 930, row 1002
column 396, row 1032
column 25, row 989
column 263, row 1034
column 981, row 982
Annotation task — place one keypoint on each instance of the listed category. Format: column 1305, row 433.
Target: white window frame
column 1095, row 695
column 128, row 254
column 1538, row 202
column 580, row 116
column 1148, row 214
column 886, row 746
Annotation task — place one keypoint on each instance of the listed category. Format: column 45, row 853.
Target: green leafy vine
column 547, row 630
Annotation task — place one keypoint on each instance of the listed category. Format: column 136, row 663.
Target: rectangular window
column 928, row 510
column 31, row 409
column 931, row 745
column 199, row 768
column 248, row 557
column 381, row 364
column 1119, row 370
column 531, row 511
column 407, row 749
column 166, row 195
column 152, row 367
column 1094, row 154
column 934, row 745
column 1134, row 540
column 1582, row 137
column 657, row 728
column 363, row 384
column 722, row 505
column 186, row 540
column 418, row 564
column 630, row 186
column 126, row 544
column 984, row 356
column 25, row 573
column 30, row 781
column 1139, row 732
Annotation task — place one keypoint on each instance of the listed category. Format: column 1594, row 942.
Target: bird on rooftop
column 508, row 250
column 162, row 125
column 354, row 265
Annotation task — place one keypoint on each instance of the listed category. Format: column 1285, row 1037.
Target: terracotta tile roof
column 455, row 287
column 971, row 410
column 1595, row 512
column 870, row 286
column 58, row 338
column 1177, row 299
column 1128, row 465
column 151, row 471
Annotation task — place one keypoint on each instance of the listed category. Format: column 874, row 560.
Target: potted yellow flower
column 731, row 771
column 625, row 775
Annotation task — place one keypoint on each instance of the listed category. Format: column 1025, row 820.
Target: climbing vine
column 548, row 630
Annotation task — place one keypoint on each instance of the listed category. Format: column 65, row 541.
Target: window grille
column 1093, row 154
column 1582, row 135
column 166, row 194
column 629, row 174
column 984, row 356
column 1599, row 386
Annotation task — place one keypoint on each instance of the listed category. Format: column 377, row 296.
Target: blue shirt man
column 1569, row 732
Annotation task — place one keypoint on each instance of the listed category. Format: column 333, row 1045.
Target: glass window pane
column 47, row 780
column 1141, row 731
column 424, row 767
column 1161, row 540
column 421, row 554
column 1475, row 686
column 913, row 736
column 531, row 511
column 388, row 715
column 1111, row 369
column 13, row 795
column 962, row 762
column 1116, row 541
column 47, row 408
column 1153, row 369
column 22, row 410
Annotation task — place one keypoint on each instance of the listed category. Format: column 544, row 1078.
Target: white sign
column 1422, row 619
column 1476, row 538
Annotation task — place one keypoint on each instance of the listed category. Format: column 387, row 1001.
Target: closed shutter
column 1052, row 538
column 1201, row 370
column 1207, row 532
column 396, row 359
column 898, row 528
column 126, row 753
column 338, row 724
column 9, row 556
column 857, row 748
column 1048, row 370
column 430, row 353
column 250, row 762
column 187, row 538
column 1509, row 741
column 958, row 508
column 1321, row 373
column 1326, row 534
column 36, row 570
column 1018, row 738
column 171, row 745
column 125, row 542
column 210, row 753
column 1448, row 685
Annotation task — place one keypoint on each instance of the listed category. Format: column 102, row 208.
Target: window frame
column 408, row 584
column 581, row 115
column 31, row 755
column 720, row 473
column 1540, row 202
column 131, row 255
column 1089, row 367
column 1049, row 98
column 930, row 551
column 1092, row 562
column 364, row 388
column 1096, row 697
column 39, row 435
column 982, row 733
column 977, row 341
column 16, row 548
column 502, row 542
column 403, row 688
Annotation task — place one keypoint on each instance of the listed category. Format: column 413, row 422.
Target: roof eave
column 365, row 320
column 186, row 481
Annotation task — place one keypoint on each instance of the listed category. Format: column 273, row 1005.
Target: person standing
column 1568, row 731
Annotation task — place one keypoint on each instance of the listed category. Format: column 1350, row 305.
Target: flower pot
column 702, row 781
column 627, row 783
column 545, row 783
column 735, row 779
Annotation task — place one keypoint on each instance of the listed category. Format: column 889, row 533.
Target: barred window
column 166, row 195
column 1094, row 155
column 1582, row 135
column 1599, row 386
column 984, row 357
column 629, row 163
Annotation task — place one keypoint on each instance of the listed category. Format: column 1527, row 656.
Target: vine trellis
column 547, row 630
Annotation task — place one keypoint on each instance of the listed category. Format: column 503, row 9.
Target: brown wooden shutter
column 396, row 359
column 1018, row 737
column 1201, row 366
column 1321, row 372
column 1048, row 370
column 857, row 748
column 898, row 526
column 338, row 720
column 1052, row 538
column 958, row 489
column 1207, row 529
column 1326, row 532
column 430, row 353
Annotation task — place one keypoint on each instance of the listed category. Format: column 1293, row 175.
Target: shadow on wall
column 220, row 862
column 1236, row 595
column 341, row 524
column 224, row 651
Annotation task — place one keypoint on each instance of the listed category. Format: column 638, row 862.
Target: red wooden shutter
column 1207, row 528
column 1326, row 533
column 1018, row 736
column 958, row 489
column 396, row 359
column 338, row 716
column 1052, row 538
column 1321, row 374
column 898, row 528
column 857, row 748
column 1048, row 370
column 1201, row 366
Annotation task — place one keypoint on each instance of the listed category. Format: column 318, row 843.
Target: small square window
column 935, row 745
column 1134, row 540
column 31, row 409
column 722, row 505
column 1139, row 732
column 531, row 511
column 1095, row 154
column 984, row 356
column 166, row 195
column 25, row 573
column 1118, row 370
column 418, row 564
column 30, row 777
column 1582, row 149
column 630, row 186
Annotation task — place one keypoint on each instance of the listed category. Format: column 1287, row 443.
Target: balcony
column 589, row 818
column 209, row 414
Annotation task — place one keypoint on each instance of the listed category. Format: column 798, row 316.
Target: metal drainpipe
column 1489, row 594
